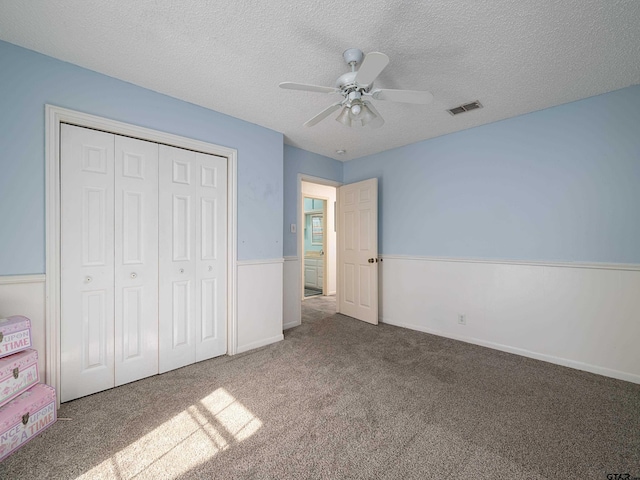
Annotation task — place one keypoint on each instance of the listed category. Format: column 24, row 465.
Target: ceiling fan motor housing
column 347, row 84
column 353, row 55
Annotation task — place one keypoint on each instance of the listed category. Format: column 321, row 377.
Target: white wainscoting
column 292, row 293
column 259, row 303
column 25, row 295
column 584, row 316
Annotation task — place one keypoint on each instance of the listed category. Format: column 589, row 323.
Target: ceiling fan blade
column 308, row 88
column 323, row 114
column 376, row 122
column 404, row 96
column 371, row 67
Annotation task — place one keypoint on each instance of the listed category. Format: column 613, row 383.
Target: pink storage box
column 26, row 416
column 17, row 373
column 15, row 335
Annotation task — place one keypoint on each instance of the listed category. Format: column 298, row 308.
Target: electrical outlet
column 462, row 319
column 293, row 228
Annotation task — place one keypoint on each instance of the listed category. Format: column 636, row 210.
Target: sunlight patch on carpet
column 187, row 440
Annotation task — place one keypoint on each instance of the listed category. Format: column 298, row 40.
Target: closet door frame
column 54, row 117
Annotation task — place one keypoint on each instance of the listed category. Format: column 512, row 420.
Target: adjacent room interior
column 372, row 240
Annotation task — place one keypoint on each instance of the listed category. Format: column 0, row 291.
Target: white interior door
column 136, row 259
column 358, row 250
column 192, row 257
column 87, row 262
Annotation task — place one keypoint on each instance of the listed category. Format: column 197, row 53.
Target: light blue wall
column 29, row 80
column 561, row 184
column 298, row 161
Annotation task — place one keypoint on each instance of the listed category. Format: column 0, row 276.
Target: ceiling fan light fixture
column 344, row 117
column 366, row 115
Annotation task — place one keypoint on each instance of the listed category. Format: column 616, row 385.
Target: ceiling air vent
column 465, row 108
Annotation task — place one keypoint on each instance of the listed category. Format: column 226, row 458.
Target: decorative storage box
column 17, row 373
column 25, row 417
column 15, row 335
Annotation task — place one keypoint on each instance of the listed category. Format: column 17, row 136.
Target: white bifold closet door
column 109, row 260
column 193, row 290
column 143, row 259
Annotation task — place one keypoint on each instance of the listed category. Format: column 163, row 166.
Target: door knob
column 88, row 279
column 210, row 268
column 371, row 260
column 134, row 274
column 182, row 270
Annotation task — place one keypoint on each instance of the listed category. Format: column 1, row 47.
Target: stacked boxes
column 18, row 372
column 26, row 406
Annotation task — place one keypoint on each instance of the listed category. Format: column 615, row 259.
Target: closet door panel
column 87, row 261
column 211, row 264
column 177, row 222
column 136, row 259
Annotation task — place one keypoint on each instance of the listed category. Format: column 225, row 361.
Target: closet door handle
column 134, row 274
column 182, row 270
column 88, row 279
column 210, row 268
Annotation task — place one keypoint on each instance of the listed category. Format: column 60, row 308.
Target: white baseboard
column 260, row 343
column 289, row 325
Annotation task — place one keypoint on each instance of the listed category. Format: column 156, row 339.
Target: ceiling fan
column 356, row 87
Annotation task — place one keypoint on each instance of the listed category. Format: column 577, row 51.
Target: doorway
column 354, row 220
column 315, row 245
column 317, row 237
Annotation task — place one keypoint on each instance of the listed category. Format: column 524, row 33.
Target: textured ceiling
column 515, row 57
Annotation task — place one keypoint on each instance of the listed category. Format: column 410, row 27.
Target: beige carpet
column 339, row 398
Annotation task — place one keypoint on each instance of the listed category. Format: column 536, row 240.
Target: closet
column 143, row 259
